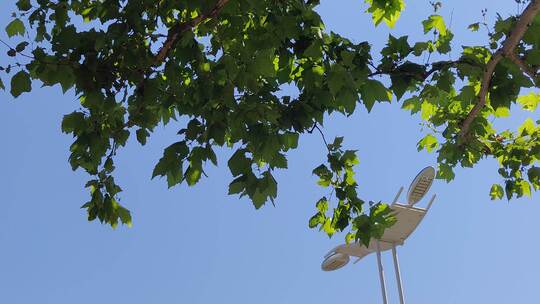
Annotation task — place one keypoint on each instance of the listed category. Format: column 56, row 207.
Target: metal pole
column 431, row 201
column 398, row 275
column 397, row 195
column 381, row 274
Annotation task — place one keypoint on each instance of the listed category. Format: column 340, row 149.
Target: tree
column 218, row 67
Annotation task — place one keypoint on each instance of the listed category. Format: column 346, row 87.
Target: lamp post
column 408, row 218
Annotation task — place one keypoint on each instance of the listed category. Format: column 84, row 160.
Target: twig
column 12, row 48
column 527, row 70
column 323, row 137
column 6, row 44
column 436, row 66
column 315, row 126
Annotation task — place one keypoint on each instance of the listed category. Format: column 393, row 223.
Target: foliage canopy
column 221, row 66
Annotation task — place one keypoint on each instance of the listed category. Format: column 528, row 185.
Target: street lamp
column 408, row 218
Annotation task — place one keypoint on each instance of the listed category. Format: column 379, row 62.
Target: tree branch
column 435, row 66
column 507, row 50
column 315, row 126
column 173, row 36
column 175, row 33
column 532, row 73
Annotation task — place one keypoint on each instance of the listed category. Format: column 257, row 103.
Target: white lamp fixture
column 408, row 218
column 420, row 185
column 334, row 261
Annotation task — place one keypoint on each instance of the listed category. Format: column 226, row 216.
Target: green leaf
column 336, row 144
column 373, row 91
column 468, row 94
column 324, row 174
column 237, row 185
column 350, row 158
column 142, row 134
column 502, row 112
column 15, row 27
column 239, row 163
column 173, row 171
column 279, row 161
column 74, row 123
column 336, row 80
column 443, row 43
column 324, row 182
column 124, row 215
column 20, row 83
column 427, row 110
column 315, row 220
column 496, row 192
column 405, row 77
column 314, row 50
column 385, row 10
column 445, row 172
column 328, row 228
column 509, row 187
column 2, row 87
column 349, row 238
column 192, row 175
column 429, row 142
column 474, row 26
column 161, row 168
column 527, row 128
column 534, row 177
column 322, row 205
column 66, row 77
column 170, row 164
column 525, row 188
column 24, row 5
column 397, row 48
column 290, row 140
column 258, row 198
column 533, row 57
column 434, row 22
column 420, row 47
column 263, row 64
column 529, row 102
column 270, row 185
column 412, row 104
column 21, row 46
column 322, row 171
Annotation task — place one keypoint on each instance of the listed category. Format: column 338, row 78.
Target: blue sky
column 198, row 245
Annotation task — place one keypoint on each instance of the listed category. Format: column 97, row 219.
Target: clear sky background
column 198, row 245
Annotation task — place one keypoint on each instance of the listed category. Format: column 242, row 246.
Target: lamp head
column 420, row 185
column 335, row 261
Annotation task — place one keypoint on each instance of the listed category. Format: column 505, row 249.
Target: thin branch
column 12, row 48
column 435, row 66
column 6, row 44
column 507, row 50
column 323, row 137
column 316, row 126
column 533, row 74
column 173, row 36
column 66, row 61
column 175, row 33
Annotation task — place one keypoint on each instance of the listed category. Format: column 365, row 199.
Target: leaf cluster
column 216, row 70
